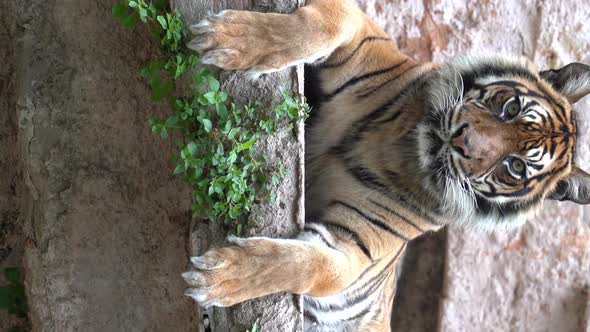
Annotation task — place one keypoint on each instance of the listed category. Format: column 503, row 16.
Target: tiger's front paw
column 242, row 40
column 226, row 276
column 228, row 40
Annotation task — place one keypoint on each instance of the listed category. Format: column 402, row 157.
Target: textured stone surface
column 11, row 235
column 534, row 278
column 281, row 218
column 107, row 225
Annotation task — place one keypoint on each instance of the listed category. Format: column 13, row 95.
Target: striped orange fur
column 395, row 149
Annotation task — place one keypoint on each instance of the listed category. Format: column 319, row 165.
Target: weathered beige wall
column 533, row 278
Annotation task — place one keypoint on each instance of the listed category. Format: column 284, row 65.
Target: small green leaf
column 198, row 172
column 208, row 125
column 246, row 145
column 222, row 96
column 221, row 110
column 133, row 4
column 232, row 157
column 172, row 121
column 143, row 14
column 152, row 10
column 213, row 84
column 192, row 147
column 163, row 22
column 233, row 132
column 210, row 96
column 179, row 169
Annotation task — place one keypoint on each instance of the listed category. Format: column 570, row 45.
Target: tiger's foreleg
column 253, row 267
column 266, row 42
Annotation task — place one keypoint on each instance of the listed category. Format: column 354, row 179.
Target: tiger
column 396, row 149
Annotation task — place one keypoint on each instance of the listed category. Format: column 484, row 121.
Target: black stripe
column 371, row 181
column 345, row 60
column 318, row 233
column 528, row 105
column 396, row 214
column 503, row 210
column 390, row 118
column 375, row 89
column 565, row 149
column 535, row 166
column 354, row 235
column 376, row 280
column 389, row 265
column 471, row 75
column 366, row 123
column 521, row 192
column 363, row 77
column 360, row 313
column 310, row 316
column 374, row 221
column 358, row 294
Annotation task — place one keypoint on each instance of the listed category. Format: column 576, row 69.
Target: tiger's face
column 499, row 138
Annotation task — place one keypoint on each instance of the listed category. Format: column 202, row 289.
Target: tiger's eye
column 517, row 166
column 512, row 109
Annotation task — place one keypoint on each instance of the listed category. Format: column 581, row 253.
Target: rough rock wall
column 11, row 235
column 534, row 278
column 107, row 225
column 284, row 216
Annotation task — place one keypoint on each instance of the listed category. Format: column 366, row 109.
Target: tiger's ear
column 572, row 81
column 575, row 187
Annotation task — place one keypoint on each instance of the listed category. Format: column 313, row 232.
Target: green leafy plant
column 217, row 151
column 12, row 296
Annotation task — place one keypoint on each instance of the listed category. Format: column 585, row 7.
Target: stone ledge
column 285, row 216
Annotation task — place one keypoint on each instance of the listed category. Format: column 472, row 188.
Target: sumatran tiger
column 397, row 149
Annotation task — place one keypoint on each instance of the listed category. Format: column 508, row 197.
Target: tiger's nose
column 459, row 141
